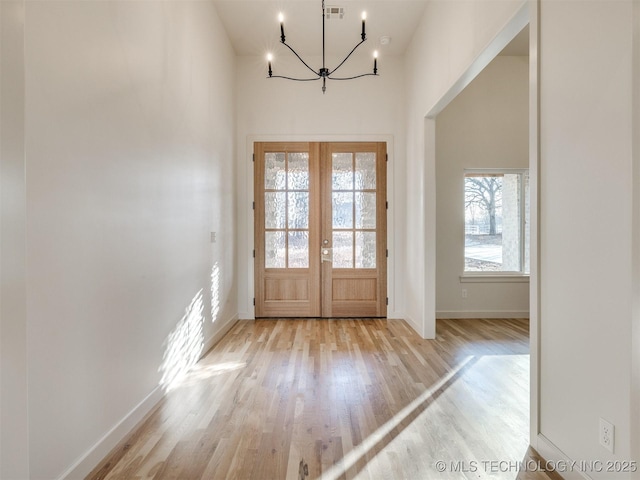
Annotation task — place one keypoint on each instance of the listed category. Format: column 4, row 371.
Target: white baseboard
column 413, row 324
column 554, row 456
column 110, row 440
column 221, row 332
column 450, row 314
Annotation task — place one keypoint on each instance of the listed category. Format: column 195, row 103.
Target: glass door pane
column 286, row 211
column 353, row 196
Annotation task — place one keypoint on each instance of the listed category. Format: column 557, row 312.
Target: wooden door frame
column 246, row 234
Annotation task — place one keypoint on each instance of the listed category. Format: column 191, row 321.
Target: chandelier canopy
column 323, row 73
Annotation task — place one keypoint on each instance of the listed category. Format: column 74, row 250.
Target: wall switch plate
column 607, row 435
column 213, row 237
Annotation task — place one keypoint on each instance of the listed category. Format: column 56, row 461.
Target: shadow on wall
column 184, row 345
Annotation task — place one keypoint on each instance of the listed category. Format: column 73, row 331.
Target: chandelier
column 323, row 73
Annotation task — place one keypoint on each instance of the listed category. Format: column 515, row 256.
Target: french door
column 320, row 229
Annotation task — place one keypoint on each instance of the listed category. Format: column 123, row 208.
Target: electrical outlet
column 464, row 293
column 213, row 237
column 607, row 435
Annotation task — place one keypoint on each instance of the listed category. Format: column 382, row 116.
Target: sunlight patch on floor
column 368, row 444
column 429, row 437
column 203, row 372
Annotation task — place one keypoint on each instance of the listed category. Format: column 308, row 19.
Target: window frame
column 520, row 276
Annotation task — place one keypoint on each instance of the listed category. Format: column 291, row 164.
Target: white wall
column 450, row 38
column 129, row 157
column 485, row 126
column 365, row 109
column 586, row 181
column 14, row 447
column 635, row 339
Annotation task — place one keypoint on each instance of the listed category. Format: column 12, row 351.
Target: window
column 496, row 222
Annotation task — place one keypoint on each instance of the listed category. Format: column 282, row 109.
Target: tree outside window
column 496, row 221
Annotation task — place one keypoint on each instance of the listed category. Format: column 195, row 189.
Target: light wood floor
column 341, row 399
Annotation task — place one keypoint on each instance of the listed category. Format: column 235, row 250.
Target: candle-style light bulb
column 375, row 62
column 269, row 58
column 281, row 20
column 364, row 17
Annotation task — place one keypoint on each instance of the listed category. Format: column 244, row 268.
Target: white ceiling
column 253, row 26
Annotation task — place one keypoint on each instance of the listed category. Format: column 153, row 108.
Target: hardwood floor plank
column 341, row 399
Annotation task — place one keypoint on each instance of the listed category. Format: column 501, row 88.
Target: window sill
column 494, row 278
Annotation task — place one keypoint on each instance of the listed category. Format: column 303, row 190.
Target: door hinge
column 387, row 253
column 254, row 302
column 386, row 204
column 254, row 254
column 254, row 205
column 387, row 156
column 254, row 157
column 387, row 300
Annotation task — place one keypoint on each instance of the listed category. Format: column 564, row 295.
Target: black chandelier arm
column 323, row 73
column 352, row 78
column 295, row 79
column 300, row 58
column 347, row 57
